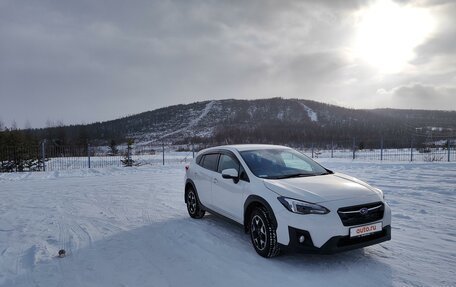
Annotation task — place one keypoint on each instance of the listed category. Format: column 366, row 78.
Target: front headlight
column 302, row 207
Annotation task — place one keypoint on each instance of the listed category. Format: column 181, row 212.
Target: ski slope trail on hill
column 310, row 113
column 193, row 122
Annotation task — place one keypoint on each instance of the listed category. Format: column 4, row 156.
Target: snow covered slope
column 312, row 115
column 129, row 227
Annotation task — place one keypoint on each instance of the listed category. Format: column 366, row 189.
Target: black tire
column 263, row 234
column 193, row 206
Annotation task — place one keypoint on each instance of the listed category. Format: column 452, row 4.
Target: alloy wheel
column 191, row 202
column 258, row 232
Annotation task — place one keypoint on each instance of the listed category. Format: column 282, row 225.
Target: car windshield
column 281, row 163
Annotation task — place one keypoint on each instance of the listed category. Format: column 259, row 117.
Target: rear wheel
column 263, row 234
column 193, row 207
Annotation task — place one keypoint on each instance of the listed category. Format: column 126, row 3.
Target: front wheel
column 263, row 234
column 193, row 207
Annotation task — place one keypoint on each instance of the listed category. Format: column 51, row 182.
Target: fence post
column 129, row 163
column 353, row 148
column 411, row 149
column 381, row 148
column 193, row 150
column 163, row 151
column 43, row 154
column 332, row 148
column 312, row 150
column 88, row 154
column 448, row 147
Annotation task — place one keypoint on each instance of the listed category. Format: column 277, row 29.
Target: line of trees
column 18, row 150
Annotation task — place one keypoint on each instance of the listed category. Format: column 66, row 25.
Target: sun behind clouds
column 387, row 33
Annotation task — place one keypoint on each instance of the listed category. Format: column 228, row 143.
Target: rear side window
column 198, row 159
column 210, row 161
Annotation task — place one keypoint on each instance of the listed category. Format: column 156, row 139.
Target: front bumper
column 322, row 228
column 334, row 244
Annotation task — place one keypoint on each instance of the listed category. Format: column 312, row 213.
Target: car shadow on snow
column 208, row 252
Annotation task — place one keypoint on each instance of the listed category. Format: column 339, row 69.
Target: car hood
column 322, row 188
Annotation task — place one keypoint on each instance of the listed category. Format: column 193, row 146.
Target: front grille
column 353, row 215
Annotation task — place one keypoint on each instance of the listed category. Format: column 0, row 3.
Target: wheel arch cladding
column 256, row 201
column 189, row 184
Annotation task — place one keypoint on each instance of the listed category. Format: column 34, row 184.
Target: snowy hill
column 273, row 120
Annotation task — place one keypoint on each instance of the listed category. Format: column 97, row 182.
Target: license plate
column 365, row 229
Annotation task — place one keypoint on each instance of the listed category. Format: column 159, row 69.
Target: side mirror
column 231, row 173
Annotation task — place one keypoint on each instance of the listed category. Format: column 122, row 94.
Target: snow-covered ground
column 129, row 227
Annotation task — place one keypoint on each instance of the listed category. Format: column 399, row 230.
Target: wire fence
column 48, row 157
column 391, row 150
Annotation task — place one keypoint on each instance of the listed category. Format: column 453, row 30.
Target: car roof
column 244, row 147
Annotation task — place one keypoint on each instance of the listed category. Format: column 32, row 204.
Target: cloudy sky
column 79, row 61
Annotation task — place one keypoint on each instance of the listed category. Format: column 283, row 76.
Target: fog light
column 301, row 239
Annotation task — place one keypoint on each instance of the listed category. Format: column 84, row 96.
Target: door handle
column 215, row 180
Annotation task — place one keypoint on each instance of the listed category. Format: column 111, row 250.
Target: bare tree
column 28, row 125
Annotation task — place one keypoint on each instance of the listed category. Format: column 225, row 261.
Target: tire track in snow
column 85, row 233
column 63, row 238
column 63, row 230
column 26, row 261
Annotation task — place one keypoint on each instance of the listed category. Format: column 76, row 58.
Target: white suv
column 285, row 200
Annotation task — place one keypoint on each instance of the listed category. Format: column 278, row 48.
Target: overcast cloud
column 82, row 61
